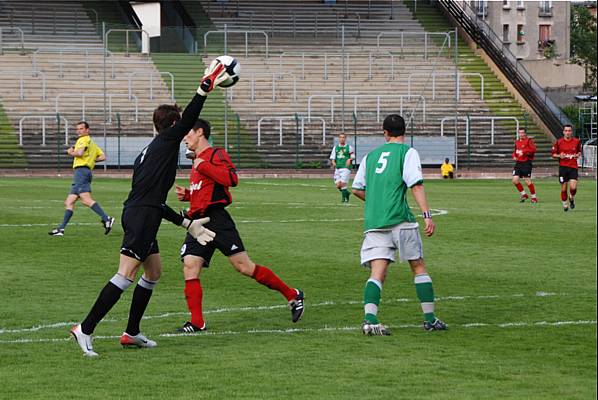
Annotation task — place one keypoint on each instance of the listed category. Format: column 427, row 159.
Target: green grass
column 493, row 261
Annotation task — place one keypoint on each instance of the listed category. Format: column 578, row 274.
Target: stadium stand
column 290, row 87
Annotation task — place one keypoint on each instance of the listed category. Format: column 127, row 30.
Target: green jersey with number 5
column 385, row 174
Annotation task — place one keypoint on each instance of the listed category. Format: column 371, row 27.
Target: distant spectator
column 447, row 170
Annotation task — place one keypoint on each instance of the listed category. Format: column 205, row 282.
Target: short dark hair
column 165, row 115
column 522, row 129
column 446, row 160
column 83, row 123
column 205, row 125
column 568, row 126
column 394, row 124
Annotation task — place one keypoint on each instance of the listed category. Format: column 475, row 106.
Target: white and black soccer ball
column 233, row 70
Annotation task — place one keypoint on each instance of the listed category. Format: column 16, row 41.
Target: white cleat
column 138, row 340
column 84, row 341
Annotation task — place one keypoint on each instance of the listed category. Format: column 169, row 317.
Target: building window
column 544, row 36
column 506, row 4
column 520, row 34
column 521, row 4
column 505, row 33
column 545, row 8
column 481, row 7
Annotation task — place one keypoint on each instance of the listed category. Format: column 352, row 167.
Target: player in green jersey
column 341, row 158
column 382, row 180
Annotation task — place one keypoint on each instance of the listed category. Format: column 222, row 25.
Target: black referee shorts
column 567, row 173
column 141, row 226
column 523, row 169
column 227, row 238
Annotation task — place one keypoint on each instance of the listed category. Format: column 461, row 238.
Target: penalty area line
column 349, row 329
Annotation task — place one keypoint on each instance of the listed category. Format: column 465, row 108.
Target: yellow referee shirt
column 445, row 169
column 90, row 153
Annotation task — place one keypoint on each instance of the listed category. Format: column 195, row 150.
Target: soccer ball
column 233, row 69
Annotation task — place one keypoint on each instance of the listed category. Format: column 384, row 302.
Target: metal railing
column 274, row 87
column 87, row 51
column 4, row 29
column 519, row 77
column 467, row 119
column 449, row 74
column 127, row 31
column 292, row 117
column 426, row 35
column 226, row 32
column 151, row 77
column 43, row 119
column 400, row 97
column 21, row 73
column 110, row 96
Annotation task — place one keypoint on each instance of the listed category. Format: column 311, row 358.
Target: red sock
column 564, row 195
column 519, row 187
column 268, row 278
column 572, row 192
column 532, row 189
column 194, row 297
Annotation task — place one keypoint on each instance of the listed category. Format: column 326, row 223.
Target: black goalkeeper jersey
column 154, row 170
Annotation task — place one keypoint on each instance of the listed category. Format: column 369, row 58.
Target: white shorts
column 342, row 175
column 384, row 244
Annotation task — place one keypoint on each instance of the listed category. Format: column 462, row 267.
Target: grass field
column 516, row 283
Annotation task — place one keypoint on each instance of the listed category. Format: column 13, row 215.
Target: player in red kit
column 525, row 150
column 567, row 150
column 211, row 176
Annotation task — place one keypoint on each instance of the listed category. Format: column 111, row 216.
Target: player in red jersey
column 567, row 150
column 525, row 150
column 211, row 176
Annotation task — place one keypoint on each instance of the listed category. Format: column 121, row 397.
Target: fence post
column 58, row 141
column 118, row 132
column 355, row 136
column 296, row 140
column 238, row 140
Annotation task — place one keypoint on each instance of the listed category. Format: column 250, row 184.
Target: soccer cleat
column 370, row 329
column 56, row 232
column 296, row 306
column 523, row 198
column 108, row 225
column 565, row 208
column 571, row 203
column 84, row 341
column 534, row 200
column 437, row 325
column 138, row 340
column 188, row 327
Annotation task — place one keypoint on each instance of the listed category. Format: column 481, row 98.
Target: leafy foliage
column 583, row 43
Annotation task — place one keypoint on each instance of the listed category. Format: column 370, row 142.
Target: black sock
column 107, row 298
column 141, row 297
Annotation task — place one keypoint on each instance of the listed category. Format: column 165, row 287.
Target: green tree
column 583, row 43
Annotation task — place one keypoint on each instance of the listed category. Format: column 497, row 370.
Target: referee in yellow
column 447, row 170
column 85, row 154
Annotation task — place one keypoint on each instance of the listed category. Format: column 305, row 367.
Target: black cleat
column 437, row 325
column 56, row 232
column 296, row 306
column 188, row 327
column 108, row 225
column 571, row 203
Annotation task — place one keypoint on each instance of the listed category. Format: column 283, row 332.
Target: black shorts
column 567, row 173
column 523, row 169
column 227, row 238
column 141, row 226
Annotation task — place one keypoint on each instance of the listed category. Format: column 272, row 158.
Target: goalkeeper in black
column 154, row 172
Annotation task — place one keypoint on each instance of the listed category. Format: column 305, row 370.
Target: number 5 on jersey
column 382, row 162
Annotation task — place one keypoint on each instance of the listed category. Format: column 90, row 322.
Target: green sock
column 425, row 294
column 371, row 300
column 345, row 194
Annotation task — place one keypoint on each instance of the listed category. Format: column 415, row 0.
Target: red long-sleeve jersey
column 525, row 150
column 210, row 180
column 570, row 148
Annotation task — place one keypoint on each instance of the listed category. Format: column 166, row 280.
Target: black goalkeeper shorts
column 141, row 226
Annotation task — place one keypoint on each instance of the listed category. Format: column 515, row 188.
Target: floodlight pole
column 343, row 78
column 105, row 87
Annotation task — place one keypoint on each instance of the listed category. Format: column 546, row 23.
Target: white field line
column 545, row 324
column 37, row 328
column 241, row 221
